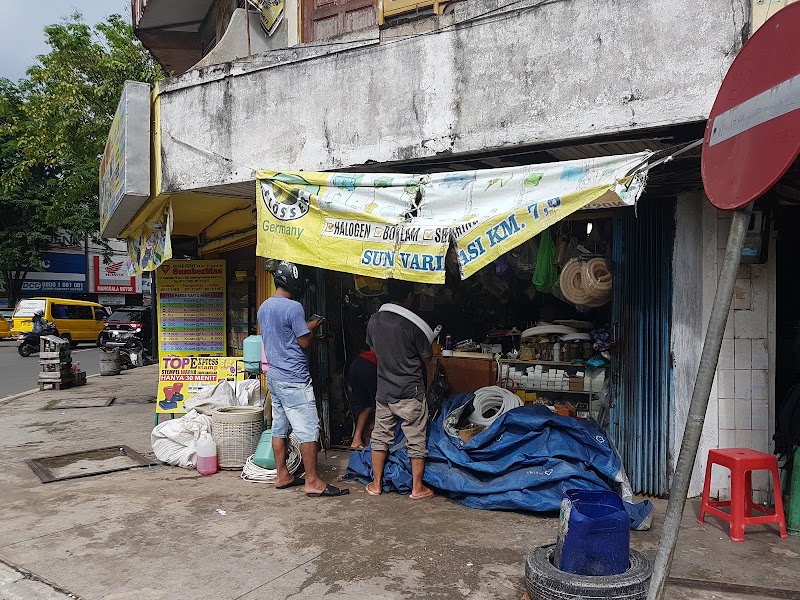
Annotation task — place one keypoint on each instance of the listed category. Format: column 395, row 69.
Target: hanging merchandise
column 562, row 250
column 369, row 286
column 586, row 283
column 546, row 274
column 525, row 255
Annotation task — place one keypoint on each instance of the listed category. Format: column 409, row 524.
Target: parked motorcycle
column 28, row 342
column 132, row 352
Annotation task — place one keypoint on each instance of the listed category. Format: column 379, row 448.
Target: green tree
column 24, row 201
column 56, row 124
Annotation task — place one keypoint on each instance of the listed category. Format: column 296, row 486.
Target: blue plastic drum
column 594, row 534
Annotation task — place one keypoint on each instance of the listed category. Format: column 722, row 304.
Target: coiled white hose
column 586, row 283
column 491, row 402
column 252, row 472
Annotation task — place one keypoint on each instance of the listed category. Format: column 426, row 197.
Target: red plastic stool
column 741, row 462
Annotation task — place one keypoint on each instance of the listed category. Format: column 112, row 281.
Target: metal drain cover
column 87, row 463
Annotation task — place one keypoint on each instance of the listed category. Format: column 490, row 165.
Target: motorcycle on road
column 28, row 342
column 132, row 352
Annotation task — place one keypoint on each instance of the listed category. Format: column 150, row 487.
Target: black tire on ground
column 25, row 350
column 545, row 582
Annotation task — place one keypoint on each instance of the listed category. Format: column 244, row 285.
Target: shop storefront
column 544, row 277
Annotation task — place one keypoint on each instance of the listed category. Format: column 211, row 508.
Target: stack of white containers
column 594, row 380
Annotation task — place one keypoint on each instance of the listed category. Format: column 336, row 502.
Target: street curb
column 7, row 399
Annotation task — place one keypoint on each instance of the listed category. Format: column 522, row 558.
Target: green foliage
column 24, row 199
column 53, row 129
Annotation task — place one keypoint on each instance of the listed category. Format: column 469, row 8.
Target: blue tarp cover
column 525, row 460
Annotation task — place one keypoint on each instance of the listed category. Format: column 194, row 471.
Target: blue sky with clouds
column 22, row 24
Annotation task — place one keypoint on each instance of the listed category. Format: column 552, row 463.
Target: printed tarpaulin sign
column 180, row 378
column 152, row 244
column 401, row 226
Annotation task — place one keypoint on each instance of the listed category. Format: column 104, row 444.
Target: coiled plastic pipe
column 252, row 472
column 491, row 402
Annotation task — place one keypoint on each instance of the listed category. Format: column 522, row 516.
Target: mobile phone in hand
column 316, row 317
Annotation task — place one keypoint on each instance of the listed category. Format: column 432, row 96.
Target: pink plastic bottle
column 206, row 455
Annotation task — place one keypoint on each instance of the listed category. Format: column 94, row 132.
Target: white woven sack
column 175, row 441
column 248, row 392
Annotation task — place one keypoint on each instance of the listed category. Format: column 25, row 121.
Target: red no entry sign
column 753, row 132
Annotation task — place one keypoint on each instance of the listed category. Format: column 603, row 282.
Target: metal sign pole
column 697, row 410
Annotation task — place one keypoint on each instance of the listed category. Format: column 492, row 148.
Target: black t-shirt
column 400, row 347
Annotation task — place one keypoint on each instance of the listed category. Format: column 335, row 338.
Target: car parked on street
column 5, row 323
column 125, row 320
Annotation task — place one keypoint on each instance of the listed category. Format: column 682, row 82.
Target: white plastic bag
column 175, row 441
column 212, row 398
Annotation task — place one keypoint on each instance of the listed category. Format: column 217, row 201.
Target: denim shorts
column 294, row 408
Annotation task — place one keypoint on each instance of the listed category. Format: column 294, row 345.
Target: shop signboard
column 111, row 299
column 125, row 165
column 61, row 273
column 112, row 277
column 181, row 377
column 753, row 132
column 146, row 286
column 191, row 308
column 401, row 226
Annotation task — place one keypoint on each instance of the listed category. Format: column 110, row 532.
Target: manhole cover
column 79, row 403
column 87, row 463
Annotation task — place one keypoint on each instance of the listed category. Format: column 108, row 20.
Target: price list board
column 191, row 308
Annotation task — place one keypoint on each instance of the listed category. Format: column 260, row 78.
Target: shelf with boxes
column 549, row 382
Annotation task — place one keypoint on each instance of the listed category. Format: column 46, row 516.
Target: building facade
column 422, row 86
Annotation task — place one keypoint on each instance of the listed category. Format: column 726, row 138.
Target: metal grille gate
column 642, row 308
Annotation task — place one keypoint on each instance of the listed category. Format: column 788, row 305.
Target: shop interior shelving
column 578, row 365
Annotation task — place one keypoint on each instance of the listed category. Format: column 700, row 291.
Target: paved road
column 19, row 374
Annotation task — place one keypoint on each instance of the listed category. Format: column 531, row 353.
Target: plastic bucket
column 594, row 534
column 109, row 362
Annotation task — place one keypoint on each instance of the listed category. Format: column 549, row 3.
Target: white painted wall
column 742, row 405
column 562, row 70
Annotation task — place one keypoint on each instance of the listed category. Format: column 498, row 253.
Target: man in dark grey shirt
column 400, row 347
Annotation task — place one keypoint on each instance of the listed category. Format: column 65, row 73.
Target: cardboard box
column 470, row 432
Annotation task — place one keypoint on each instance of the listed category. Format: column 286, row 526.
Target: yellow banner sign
column 401, row 226
column 181, row 377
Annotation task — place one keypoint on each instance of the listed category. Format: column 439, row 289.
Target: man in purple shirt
column 286, row 335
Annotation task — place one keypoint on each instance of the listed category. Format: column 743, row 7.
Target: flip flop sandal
column 423, row 496
column 370, row 492
column 329, row 490
column 295, row 482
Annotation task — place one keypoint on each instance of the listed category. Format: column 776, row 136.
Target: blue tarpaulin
column 525, row 460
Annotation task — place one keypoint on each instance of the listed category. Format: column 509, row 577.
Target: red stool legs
column 741, row 462
column 776, row 485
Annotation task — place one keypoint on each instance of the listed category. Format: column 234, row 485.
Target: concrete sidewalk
column 156, row 533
